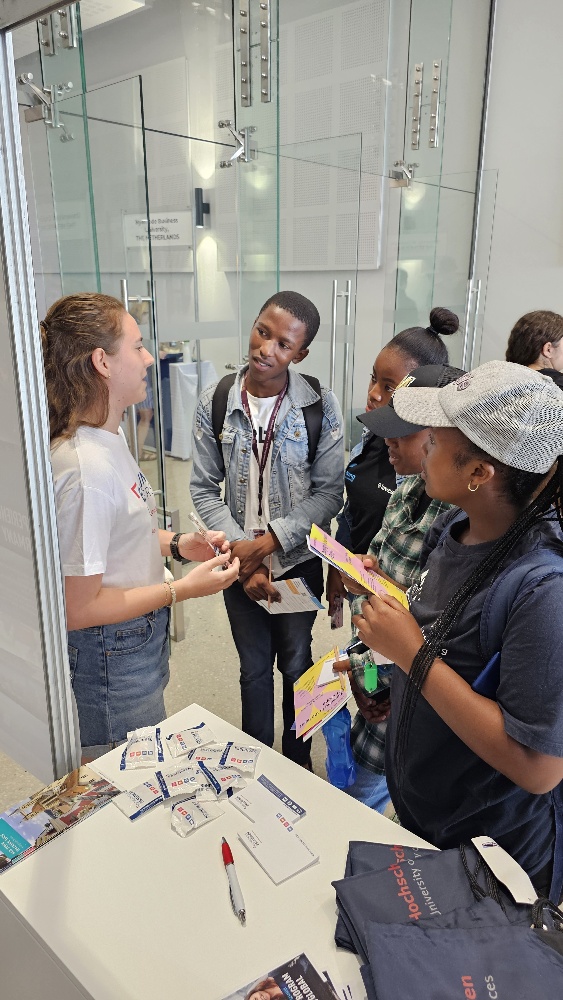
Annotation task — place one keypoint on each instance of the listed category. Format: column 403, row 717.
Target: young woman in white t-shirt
column 117, row 600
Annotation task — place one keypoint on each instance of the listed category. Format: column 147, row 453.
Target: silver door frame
column 17, row 274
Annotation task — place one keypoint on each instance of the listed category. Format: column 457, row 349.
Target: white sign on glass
column 168, row 229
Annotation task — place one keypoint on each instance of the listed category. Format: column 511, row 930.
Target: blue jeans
column 369, row 788
column 118, row 675
column 260, row 639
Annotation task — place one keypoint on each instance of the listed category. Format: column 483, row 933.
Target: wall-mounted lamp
column 201, row 208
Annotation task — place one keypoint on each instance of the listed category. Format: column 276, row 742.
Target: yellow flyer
column 314, row 703
column 334, row 553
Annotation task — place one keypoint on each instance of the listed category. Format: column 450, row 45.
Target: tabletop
column 132, row 911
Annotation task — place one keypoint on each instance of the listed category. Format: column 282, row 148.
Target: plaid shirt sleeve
column 397, row 547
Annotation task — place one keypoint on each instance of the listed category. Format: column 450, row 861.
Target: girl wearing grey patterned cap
column 461, row 763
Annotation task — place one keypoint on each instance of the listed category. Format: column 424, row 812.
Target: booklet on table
column 295, row 978
column 35, row 821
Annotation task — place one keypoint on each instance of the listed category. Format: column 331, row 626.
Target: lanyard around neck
column 262, row 460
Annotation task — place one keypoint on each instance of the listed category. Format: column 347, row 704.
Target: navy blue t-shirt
column 449, row 794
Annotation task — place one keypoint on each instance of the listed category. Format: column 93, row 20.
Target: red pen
column 237, row 900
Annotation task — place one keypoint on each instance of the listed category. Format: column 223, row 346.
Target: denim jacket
column 300, row 494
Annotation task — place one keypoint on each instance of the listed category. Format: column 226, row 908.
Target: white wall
column 525, row 144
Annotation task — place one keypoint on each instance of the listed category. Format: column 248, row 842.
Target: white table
column 115, row 910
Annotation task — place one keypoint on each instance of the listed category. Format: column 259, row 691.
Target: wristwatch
column 174, row 550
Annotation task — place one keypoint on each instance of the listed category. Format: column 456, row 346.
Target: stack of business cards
column 262, row 799
column 278, row 848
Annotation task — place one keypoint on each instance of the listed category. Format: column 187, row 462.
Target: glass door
column 195, row 264
column 299, row 202
column 441, row 205
column 319, row 184
column 99, row 223
column 437, row 263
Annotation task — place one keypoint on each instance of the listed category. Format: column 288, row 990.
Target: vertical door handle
column 470, row 325
column 475, row 321
column 347, row 295
column 131, row 410
column 333, row 333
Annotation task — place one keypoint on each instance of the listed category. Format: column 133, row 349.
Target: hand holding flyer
column 346, row 562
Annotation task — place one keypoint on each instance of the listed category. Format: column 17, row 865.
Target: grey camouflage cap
column 512, row 413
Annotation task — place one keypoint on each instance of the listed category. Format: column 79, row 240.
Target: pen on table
column 269, row 579
column 237, row 900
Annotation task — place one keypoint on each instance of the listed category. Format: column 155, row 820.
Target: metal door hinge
column 46, row 103
column 245, row 152
column 403, row 173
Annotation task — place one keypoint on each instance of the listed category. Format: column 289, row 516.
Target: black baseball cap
column 386, row 422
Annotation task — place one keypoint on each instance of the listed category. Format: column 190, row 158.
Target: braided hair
column 519, row 486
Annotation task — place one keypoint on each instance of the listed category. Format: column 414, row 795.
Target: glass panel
column 319, row 218
column 70, row 170
column 60, row 49
column 183, row 49
column 196, row 294
column 429, row 45
column 100, row 212
column 258, row 180
column 435, row 248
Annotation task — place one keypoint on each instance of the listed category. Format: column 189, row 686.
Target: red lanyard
column 267, row 440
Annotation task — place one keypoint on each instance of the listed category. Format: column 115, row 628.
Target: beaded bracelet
column 172, row 589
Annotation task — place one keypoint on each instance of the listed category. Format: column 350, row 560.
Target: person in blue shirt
column 461, row 764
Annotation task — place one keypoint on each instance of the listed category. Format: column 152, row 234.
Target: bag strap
column 219, row 406
column 520, row 577
column 312, row 413
column 313, row 416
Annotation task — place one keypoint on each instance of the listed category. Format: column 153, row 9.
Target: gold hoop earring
column 471, row 488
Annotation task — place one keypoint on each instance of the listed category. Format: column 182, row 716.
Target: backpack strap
column 312, row 413
column 313, row 416
column 219, row 407
column 517, row 579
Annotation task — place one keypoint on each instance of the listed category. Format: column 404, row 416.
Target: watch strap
column 174, row 550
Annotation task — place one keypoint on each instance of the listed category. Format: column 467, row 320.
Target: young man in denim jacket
column 272, row 496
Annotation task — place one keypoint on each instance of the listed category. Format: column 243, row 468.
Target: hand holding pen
column 202, row 530
column 237, row 900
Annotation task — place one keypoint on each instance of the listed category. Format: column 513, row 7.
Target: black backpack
column 312, row 413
